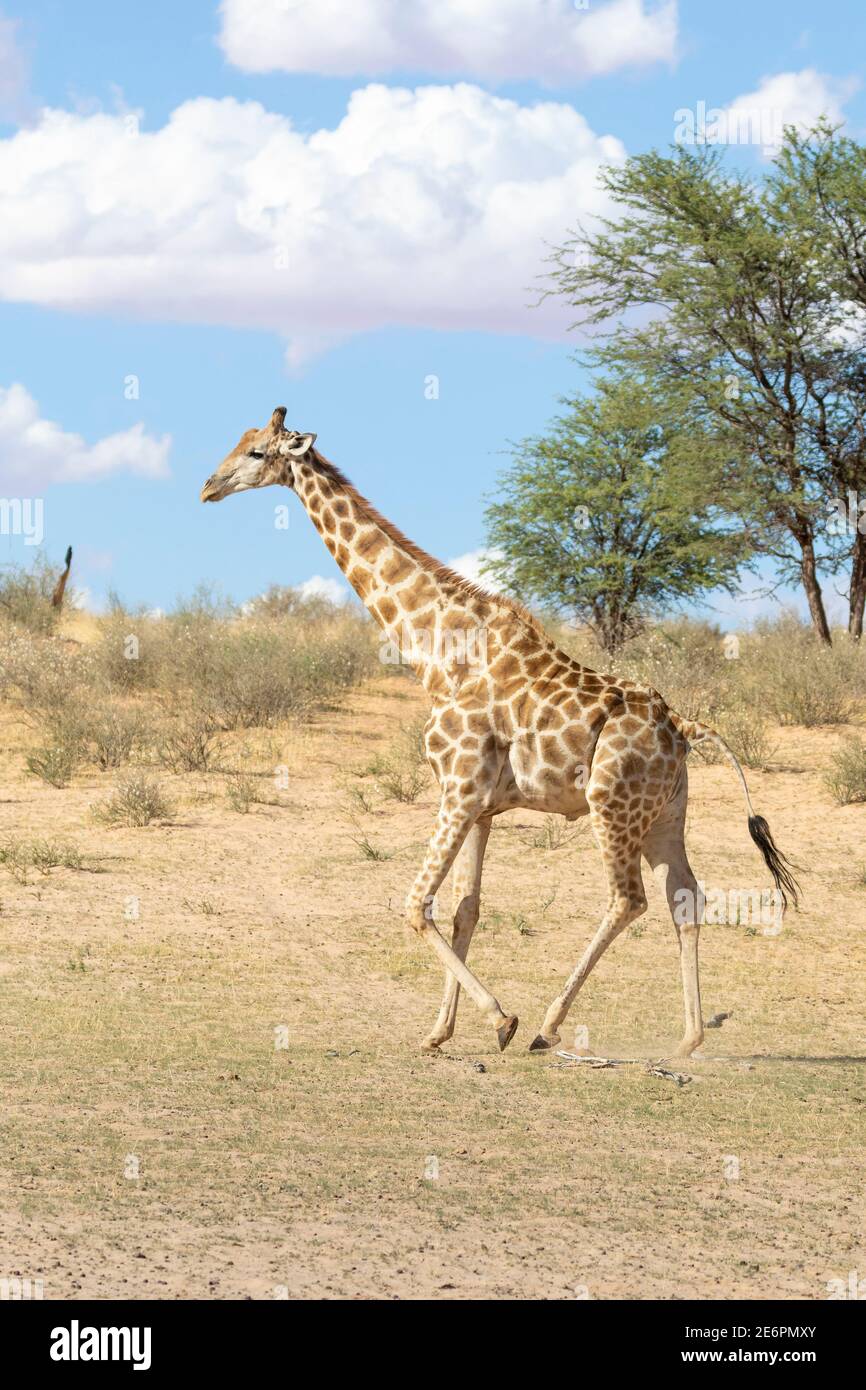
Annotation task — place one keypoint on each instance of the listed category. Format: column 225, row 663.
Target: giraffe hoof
column 541, row 1043
column 505, row 1032
column 430, row 1045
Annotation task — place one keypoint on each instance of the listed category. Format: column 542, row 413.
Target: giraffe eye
column 255, row 454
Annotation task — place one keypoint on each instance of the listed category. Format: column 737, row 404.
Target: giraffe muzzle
column 213, row 489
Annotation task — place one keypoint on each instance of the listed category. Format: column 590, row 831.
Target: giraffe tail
column 780, row 867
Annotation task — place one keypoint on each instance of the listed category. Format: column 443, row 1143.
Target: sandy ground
column 224, row 1096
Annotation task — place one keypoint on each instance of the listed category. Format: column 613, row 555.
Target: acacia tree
column 736, row 312
column 612, row 515
column 819, row 186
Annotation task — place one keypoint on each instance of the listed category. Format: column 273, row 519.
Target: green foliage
column 613, row 515
column 731, row 299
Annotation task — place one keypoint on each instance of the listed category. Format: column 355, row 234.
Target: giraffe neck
column 429, row 622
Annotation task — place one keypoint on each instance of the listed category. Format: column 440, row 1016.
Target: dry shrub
column 748, row 736
column 243, row 791
column 799, row 680
column 779, row 670
column 136, row 801
column 19, row 856
column 243, row 672
column 188, row 744
column 42, row 674
column 56, row 765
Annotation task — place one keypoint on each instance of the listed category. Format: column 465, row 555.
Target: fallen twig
column 597, row 1063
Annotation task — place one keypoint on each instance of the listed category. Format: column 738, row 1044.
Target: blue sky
column 198, row 213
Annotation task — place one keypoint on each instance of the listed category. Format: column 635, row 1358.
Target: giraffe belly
column 540, row 787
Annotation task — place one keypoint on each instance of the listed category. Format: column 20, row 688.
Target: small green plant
column 136, row 801
column 205, row 906
column 360, row 796
column 403, row 773
column 553, row 834
column 516, row 921
column 78, row 963
column 19, row 856
column 366, row 846
column 400, row 783
column 846, row 778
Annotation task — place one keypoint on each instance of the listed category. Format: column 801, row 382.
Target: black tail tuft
column 775, row 861
column 69, row 557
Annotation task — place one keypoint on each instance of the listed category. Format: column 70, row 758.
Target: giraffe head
column 260, row 458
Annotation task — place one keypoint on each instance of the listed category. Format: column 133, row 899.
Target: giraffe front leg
column 467, row 899
column 452, row 827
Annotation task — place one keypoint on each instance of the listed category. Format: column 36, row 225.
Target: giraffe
column 515, row 722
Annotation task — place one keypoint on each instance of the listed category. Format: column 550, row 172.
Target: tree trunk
column 857, row 596
column 809, row 575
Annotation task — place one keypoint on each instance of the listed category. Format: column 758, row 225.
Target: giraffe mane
column 467, row 587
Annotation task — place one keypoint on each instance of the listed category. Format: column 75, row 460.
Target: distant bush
column 43, row 674
column 25, row 596
column 846, row 778
column 240, row 672
column 280, row 601
column 778, row 670
column 799, row 680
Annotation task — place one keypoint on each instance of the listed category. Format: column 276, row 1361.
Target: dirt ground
column 224, row 1096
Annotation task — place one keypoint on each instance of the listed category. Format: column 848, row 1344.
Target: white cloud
column 786, row 98
column 15, row 104
column 430, row 207
column 319, row 587
column 469, row 565
column 551, row 40
column 35, row 452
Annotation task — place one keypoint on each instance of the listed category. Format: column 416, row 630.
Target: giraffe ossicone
column 515, row 722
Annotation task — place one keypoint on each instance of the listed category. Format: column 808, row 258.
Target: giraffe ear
column 278, row 418
column 303, row 442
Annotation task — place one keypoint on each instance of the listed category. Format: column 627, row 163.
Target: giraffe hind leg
column 620, row 849
column 665, row 852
